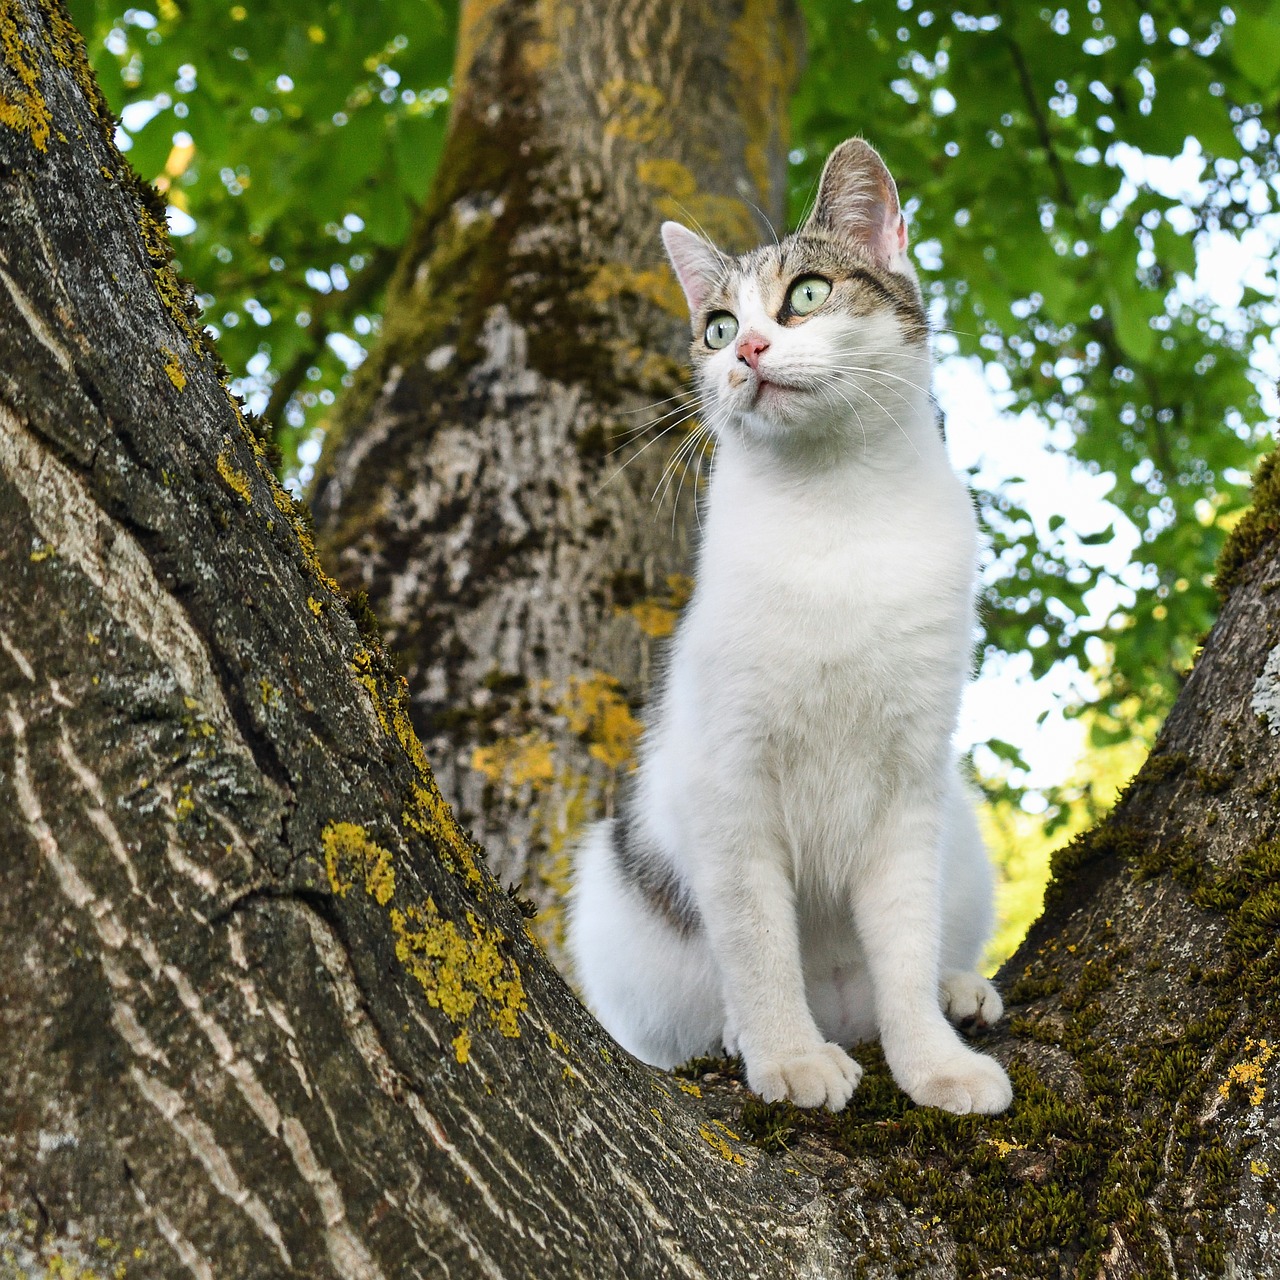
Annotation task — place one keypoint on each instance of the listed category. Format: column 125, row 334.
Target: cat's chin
column 785, row 416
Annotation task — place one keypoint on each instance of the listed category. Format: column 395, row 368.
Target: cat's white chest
column 808, row 588
column 822, row 657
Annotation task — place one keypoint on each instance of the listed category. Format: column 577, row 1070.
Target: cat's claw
column 968, row 999
column 964, row 1083
column 824, row 1077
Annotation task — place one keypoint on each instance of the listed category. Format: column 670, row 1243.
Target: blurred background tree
column 1093, row 193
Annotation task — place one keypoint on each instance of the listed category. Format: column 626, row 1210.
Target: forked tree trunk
column 490, row 482
column 263, row 1013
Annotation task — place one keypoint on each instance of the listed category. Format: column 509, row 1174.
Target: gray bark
column 492, row 481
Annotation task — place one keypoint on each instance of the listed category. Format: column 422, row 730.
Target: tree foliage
column 298, row 139
column 1020, row 131
column 1058, row 253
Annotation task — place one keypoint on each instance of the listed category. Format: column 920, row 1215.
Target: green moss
column 1213, row 781
column 1039, row 1189
column 1256, row 530
column 466, row 250
column 771, row 1126
column 1164, row 765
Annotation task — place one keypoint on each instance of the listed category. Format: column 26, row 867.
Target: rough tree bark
column 262, row 1010
column 478, row 493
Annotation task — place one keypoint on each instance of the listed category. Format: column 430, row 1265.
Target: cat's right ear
column 858, row 201
column 697, row 262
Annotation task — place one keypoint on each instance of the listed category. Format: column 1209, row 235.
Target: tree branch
column 330, row 313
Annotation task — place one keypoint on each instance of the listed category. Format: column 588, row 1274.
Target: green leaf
column 1255, row 49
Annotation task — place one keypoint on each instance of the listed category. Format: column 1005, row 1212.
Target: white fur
column 797, row 774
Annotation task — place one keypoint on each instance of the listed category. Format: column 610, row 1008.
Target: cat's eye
column 722, row 328
column 808, row 294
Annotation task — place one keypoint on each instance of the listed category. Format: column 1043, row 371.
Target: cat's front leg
column 747, row 903
column 897, row 911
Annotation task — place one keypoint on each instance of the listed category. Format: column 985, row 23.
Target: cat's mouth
column 770, row 388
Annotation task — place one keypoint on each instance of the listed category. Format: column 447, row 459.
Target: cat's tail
column 639, row 955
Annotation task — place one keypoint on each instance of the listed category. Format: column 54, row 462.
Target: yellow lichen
column 23, row 109
column 316, row 606
column 516, row 761
column 656, row 616
column 595, row 708
column 462, row 1045
column 719, row 1145
column 634, row 110
column 306, row 542
column 458, row 973
column 724, row 219
column 173, row 369
column 687, row 1086
column 1003, row 1146
column 235, row 480
column 351, row 856
column 656, row 285
column 558, row 820
column 1248, row 1073
column 764, row 73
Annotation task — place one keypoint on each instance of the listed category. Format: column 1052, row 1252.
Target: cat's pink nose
column 751, row 347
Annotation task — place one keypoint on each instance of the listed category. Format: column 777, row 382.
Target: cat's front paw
column 962, row 1083
column 823, row 1077
column 968, row 999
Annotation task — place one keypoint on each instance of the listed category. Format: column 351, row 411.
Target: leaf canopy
column 1089, row 277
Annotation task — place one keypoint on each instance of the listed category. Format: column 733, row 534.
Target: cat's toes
column 968, row 999
column 824, row 1077
column 966, row 1083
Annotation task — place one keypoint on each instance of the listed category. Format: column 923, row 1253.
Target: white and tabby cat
column 797, row 865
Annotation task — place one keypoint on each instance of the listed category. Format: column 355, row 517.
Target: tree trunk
column 262, row 1010
column 491, row 485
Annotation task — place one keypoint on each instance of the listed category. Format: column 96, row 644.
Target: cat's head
column 821, row 336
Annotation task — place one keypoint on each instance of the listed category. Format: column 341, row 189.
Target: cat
column 797, row 866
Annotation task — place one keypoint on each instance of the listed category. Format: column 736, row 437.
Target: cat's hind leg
column 966, row 997
column 640, row 958
column 969, row 999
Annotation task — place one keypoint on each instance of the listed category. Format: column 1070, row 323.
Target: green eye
column 808, row 294
column 721, row 329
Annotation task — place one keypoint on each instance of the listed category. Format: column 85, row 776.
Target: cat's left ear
column 858, row 201
column 697, row 262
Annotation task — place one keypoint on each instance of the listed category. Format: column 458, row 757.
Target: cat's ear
column 698, row 263
column 858, row 201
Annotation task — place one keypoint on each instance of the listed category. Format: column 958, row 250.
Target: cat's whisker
column 768, row 221
column 709, row 442
column 649, row 445
column 683, row 394
column 680, row 457
column 862, row 426
column 674, row 464
column 884, row 373
column 630, row 437
column 892, row 417
column 684, row 471
column 691, row 402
